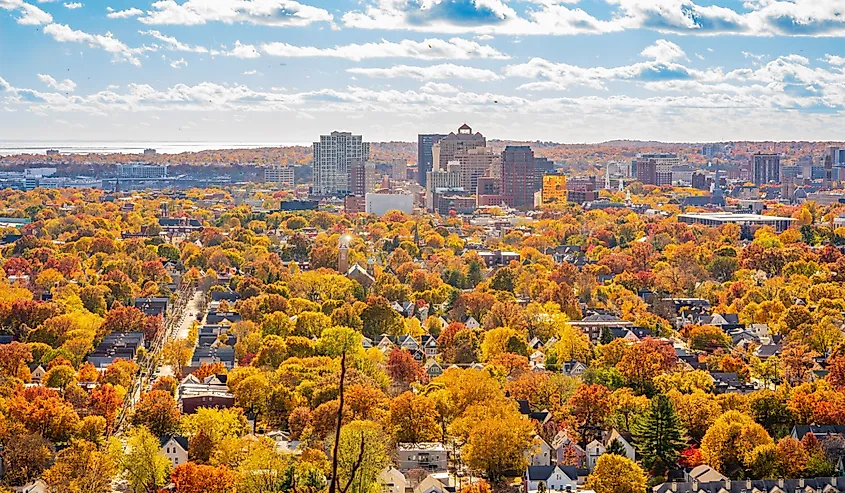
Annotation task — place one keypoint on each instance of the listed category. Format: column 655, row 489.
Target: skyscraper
column 655, row 169
column 333, row 157
column 362, row 178
column 765, row 168
column 518, row 180
column 458, row 143
column 424, row 157
column 476, row 163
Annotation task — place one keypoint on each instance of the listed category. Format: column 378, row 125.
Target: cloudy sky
column 284, row 71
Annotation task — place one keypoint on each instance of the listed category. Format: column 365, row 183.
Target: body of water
column 9, row 147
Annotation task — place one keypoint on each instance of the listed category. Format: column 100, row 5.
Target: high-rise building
column 399, row 169
column 276, row 173
column 581, row 190
column 424, row 157
column 542, row 167
column 362, row 178
column 475, row 163
column 554, row 189
column 438, row 181
column 518, row 175
column 765, row 168
column 655, row 169
column 333, row 157
column 457, row 143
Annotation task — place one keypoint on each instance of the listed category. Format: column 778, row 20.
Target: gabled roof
column 180, row 440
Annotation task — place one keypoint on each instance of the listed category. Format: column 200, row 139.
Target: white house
column 553, row 478
column 176, row 449
column 431, row 484
column 472, row 323
column 540, row 453
column 392, row 480
column 596, row 448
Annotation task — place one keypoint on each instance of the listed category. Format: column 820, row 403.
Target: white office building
column 334, row 155
column 141, row 172
column 276, row 173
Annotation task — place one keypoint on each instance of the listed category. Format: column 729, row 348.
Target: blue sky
column 284, row 71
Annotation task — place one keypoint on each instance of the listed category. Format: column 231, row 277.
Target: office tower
column 438, row 181
column 276, row 173
column 333, row 156
column 542, row 167
column 457, row 143
column 518, row 175
column 424, row 157
column 362, row 178
column 581, row 190
column 828, row 172
column 475, row 163
column 655, row 169
column 554, row 189
column 837, row 155
column 765, row 168
column 399, row 169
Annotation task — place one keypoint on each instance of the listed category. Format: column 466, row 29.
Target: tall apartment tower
column 655, row 169
column 518, row 180
column 333, row 157
column 362, row 178
column 476, row 163
column 424, row 157
column 765, row 168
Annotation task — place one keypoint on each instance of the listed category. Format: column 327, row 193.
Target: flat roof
column 730, row 217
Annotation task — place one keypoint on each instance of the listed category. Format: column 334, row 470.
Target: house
column 433, row 368
column 392, row 480
column 433, row 484
column 36, row 486
column 361, row 276
column 537, row 358
column 472, row 323
column 212, row 392
column 428, row 344
column 573, row 368
column 814, row 485
column 822, row 432
column 703, row 474
column 593, row 324
column 175, row 448
column 551, row 478
column 117, row 345
column 36, row 373
column 597, row 448
column 152, row 306
column 567, row 451
column 428, row 456
column 540, row 453
column 729, row 383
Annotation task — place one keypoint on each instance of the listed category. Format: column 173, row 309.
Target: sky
column 286, row 71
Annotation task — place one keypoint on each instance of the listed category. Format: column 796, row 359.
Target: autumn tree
column 731, row 437
column 498, row 444
column 591, row 405
column 197, row 478
column 158, row 412
column 403, row 368
column 144, row 465
column 414, row 419
column 616, row 474
column 81, row 468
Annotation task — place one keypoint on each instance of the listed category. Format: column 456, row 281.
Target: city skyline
column 283, row 71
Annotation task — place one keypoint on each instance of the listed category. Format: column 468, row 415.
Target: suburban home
column 573, row 368
column 703, row 474
column 592, row 325
column 814, row 485
column 175, row 448
column 537, row 359
column 36, row 373
column 152, row 306
column 212, row 392
column 428, row 456
column 552, row 478
column 432, row 368
column 472, row 323
column 540, row 453
column 822, row 432
column 567, row 452
column 433, row 483
column 392, row 480
column 596, row 448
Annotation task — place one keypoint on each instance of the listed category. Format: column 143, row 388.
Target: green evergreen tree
column 606, row 336
column 615, row 447
column 659, row 436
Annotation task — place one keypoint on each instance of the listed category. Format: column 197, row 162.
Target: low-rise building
column 428, row 456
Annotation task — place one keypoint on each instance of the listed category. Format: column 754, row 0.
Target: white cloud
column 428, row 49
column 66, row 85
column 251, row 72
column 834, row 60
column 64, row 34
column 664, row 51
column 433, row 72
column 177, row 64
column 262, row 12
column 172, row 43
column 123, row 14
column 437, row 87
column 73, row 5
column 29, row 14
column 242, row 51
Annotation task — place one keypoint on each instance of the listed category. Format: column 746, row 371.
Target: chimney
column 694, row 485
column 748, row 484
column 780, row 483
column 801, row 483
column 728, row 484
column 674, row 486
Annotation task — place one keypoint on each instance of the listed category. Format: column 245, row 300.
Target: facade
column 581, row 190
column 380, row 203
column 362, row 178
column 455, row 144
column 765, row 168
column 551, row 478
column 518, row 175
column 428, row 456
column 655, row 169
column 334, row 155
column 399, row 169
column 279, row 174
column 745, row 221
column 140, row 172
column 175, row 448
column 554, row 189
column 424, row 155
column 475, row 163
